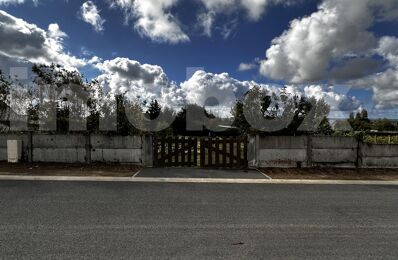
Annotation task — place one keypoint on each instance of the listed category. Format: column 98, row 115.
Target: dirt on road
column 62, row 169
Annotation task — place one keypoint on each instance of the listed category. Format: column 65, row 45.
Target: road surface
column 43, row 220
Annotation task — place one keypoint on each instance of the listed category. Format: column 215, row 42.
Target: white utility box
column 14, row 150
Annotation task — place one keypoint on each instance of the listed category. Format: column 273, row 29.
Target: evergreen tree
column 154, row 110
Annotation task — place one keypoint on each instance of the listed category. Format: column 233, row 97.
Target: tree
column 360, row 121
column 179, row 125
column 281, row 114
column 4, row 108
column 124, row 106
column 325, row 128
column 154, row 110
column 240, row 121
column 384, row 125
column 52, row 79
column 316, row 117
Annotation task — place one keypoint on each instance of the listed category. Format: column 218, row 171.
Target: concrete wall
column 282, row 151
column 334, row 151
column 268, row 151
column 319, row 151
column 374, row 156
column 80, row 148
column 59, row 148
column 123, row 149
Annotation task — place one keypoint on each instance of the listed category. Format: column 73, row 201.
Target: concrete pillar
column 358, row 163
column 309, row 151
column 251, row 151
column 30, row 146
column 148, row 150
column 88, row 148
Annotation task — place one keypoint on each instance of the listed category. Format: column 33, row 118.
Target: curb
column 191, row 180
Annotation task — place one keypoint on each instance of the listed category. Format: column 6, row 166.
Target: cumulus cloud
column 90, row 14
column 203, row 88
column 306, row 51
column 249, row 66
column 388, row 48
column 138, row 81
column 385, row 83
column 254, row 10
column 27, row 42
column 153, row 19
column 14, row 2
column 336, row 101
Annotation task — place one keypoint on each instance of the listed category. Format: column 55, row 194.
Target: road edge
column 191, row 180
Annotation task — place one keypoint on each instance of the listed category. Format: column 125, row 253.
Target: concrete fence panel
column 282, row 151
column 59, row 148
column 376, row 156
column 122, row 149
column 334, row 151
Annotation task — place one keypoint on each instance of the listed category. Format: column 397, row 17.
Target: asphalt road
column 43, row 220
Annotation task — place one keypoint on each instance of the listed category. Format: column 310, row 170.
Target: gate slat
column 217, row 143
column 195, row 152
column 189, row 147
column 202, row 153
column 162, row 152
column 224, row 153
column 169, row 151
column 238, row 152
column 214, row 152
column 155, row 152
column 210, row 152
column 245, row 161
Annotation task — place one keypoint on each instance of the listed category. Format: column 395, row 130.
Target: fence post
column 359, row 152
column 309, row 151
column 88, row 148
column 148, row 150
column 30, row 146
column 251, row 151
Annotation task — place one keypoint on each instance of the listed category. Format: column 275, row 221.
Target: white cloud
column 138, row 81
column 27, row 42
column 203, row 86
column 388, row 48
column 336, row 101
column 249, row 66
column 90, row 14
column 206, row 21
column 385, row 83
column 152, row 19
column 305, row 52
column 254, row 10
column 14, row 2
column 246, row 66
column 147, row 82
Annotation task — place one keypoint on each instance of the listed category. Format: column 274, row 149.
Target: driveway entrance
column 205, row 152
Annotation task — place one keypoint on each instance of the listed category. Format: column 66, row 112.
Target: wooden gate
column 217, row 152
column 175, row 152
column 223, row 152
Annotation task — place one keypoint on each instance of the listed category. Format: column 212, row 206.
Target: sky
column 186, row 51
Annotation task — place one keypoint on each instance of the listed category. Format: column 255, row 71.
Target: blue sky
column 215, row 54
column 250, row 38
